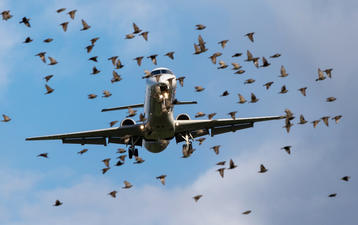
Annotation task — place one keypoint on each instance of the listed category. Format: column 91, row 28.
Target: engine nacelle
column 183, row 116
column 127, row 122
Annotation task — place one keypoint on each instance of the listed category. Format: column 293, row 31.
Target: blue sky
column 294, row 190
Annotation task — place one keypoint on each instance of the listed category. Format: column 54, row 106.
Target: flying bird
column 232, row 165
column 331, row 99
column 287, row 149
column 95, row 71
column 113, row 193
column 48, row 77
column 113, row 59
column 325, row 120
column 6, row 15
column 265, row 63
column 225, row 93
column 181, row 81
column 60, row 10
column 89, row 48
column 346, row 178
column 127, row 185
column 236, row 66
column 315, row 123
column 275, row 55
column 119, row 64
column 5, row 118
column 92, row 96
column 221, row 171
column 28, row 40
column 250, row 36
column 94, row 40
column 237, row 55
column 43, row 155
column 42, row 56
column 25, row 21
column 283, row 90
column 232, row 114
column 136, row 29
column 94, row 59
column 48, row 40
column 162, row 178
column 249, row 81
column 222, row 64
column 170, row 55
column 106, row 94
column 82, row 151
column 116, row 77
column 106, row 162
column 57, row 203
column 302, row 120
column 320, row 75
column 283, row 72
column 263, row 169
column 104, row 170
column 49, row 90
column 139, row 60
column 144, row 35
column 72, row 13
column 129, row 36
column 85, row 26
column 200, row 140
column 197, row 197
column 199, row 88
column 268, row 85
column 199, row 114
column 328, row 72
column 332, row 195
column 64, row 26
column 112, row 123
column 246, row 212
column 337, row 118
column 223, row 43
column 303, row 91
column 214, row 56
column 221, row 163
column 211, row 115
column 52, row 61
column 200, row 27
column 216, row 149
column 153, row 58
column 253, row 98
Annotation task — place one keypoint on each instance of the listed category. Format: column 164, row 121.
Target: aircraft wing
column 202, row 127
column 114, row 135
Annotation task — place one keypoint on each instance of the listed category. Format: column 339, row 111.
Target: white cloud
column 293, row 191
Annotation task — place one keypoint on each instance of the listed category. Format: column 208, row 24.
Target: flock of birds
column 199, row 48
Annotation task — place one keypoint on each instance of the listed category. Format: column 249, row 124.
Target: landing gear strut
column 188, row 146
column 132, row 151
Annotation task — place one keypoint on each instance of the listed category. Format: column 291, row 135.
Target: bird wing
column 202, row 127
column 99, row 137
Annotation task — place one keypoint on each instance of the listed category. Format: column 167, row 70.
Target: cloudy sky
column 308, row 34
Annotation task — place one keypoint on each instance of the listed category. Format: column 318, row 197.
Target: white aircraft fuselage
column 158, row 109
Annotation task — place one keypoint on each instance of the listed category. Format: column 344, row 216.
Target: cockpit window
column 155, row 72
column 166, row 72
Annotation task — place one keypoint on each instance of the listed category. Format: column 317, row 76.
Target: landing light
column 176, row 124
column 141, row 127
column 166, row 94
column 160, row 96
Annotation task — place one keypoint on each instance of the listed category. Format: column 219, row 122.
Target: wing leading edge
column 201, row 127
column 114, row 135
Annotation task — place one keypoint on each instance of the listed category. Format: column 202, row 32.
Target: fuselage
column 158, row 108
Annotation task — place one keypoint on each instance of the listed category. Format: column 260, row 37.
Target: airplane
column 159, row 126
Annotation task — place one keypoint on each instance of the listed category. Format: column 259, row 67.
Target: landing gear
column 188, row 146
column 132, row 152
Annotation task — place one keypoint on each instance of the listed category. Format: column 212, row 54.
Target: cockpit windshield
column 156, row 72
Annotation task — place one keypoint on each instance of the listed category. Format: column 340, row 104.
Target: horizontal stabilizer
column 176, row 102
column 123, row 107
